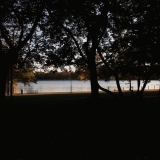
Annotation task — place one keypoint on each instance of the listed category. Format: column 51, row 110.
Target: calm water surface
column 78, row 86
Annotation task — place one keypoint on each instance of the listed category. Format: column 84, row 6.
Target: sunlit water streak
column 50, row 86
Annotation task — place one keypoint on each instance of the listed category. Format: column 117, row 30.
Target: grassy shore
column 72, row 126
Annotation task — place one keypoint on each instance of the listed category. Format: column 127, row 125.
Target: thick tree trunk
column 7, row 86
column 93, row 77
column 93, row 81
column 11, row 84
column 3, row 84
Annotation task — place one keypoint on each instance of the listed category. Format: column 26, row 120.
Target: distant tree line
column 56, row 75
column 75, row 76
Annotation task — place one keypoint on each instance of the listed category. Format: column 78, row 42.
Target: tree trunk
column 130, row 85
column 93, row 81
column 138, row 86
column 142, row 90
column 107, row 91
column 8, row 84
column 118, row 86
column 11, row 84
column 3, row 84
column 93, row 77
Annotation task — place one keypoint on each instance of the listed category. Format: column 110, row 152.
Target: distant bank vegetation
column 75, row 76
column 60, row 76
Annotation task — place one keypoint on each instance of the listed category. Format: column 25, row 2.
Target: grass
column 72, row 126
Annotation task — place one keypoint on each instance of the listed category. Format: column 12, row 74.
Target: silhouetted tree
column 85, row 23
column 18, row 21
column 133, row 43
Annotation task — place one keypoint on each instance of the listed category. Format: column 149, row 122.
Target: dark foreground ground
column 66, row 127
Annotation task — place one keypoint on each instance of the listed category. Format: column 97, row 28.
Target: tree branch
column 107, row 91
column 70, row 33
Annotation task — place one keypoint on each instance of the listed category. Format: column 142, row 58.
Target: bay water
column 53, row 86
